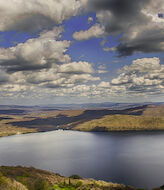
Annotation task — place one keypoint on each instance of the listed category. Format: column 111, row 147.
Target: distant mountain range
column 104, row 105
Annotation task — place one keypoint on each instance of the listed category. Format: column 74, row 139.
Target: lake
column 131, row 158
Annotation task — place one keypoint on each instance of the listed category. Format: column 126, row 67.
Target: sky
column 81, row 51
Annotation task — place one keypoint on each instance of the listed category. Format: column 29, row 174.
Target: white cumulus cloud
column 94, row 31
column 34, row 15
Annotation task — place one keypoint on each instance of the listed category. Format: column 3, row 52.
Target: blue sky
column 90, row 53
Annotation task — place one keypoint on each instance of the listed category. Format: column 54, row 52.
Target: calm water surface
column 135, row 159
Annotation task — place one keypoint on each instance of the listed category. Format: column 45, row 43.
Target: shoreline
column 107, row 132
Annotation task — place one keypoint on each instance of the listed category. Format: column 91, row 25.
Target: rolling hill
column 144, row 117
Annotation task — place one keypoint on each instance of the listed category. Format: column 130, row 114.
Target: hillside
column 122, row 123
column 21, row 178
column 140, row 118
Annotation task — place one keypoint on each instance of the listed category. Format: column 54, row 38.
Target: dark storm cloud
column 136, row 20
column 122, row 13
column 119, row 7
column 147, row 42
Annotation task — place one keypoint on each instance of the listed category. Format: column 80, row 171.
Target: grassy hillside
column 10, row 184
column 7, row 130
column 21, row 178
column 123, row 123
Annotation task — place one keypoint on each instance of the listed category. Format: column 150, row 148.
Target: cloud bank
column 143, row 76
column 42, row 63
column 43, row 67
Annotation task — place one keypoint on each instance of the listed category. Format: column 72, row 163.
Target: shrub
column 79, row 183
column 75, row 177
column 42, row 185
